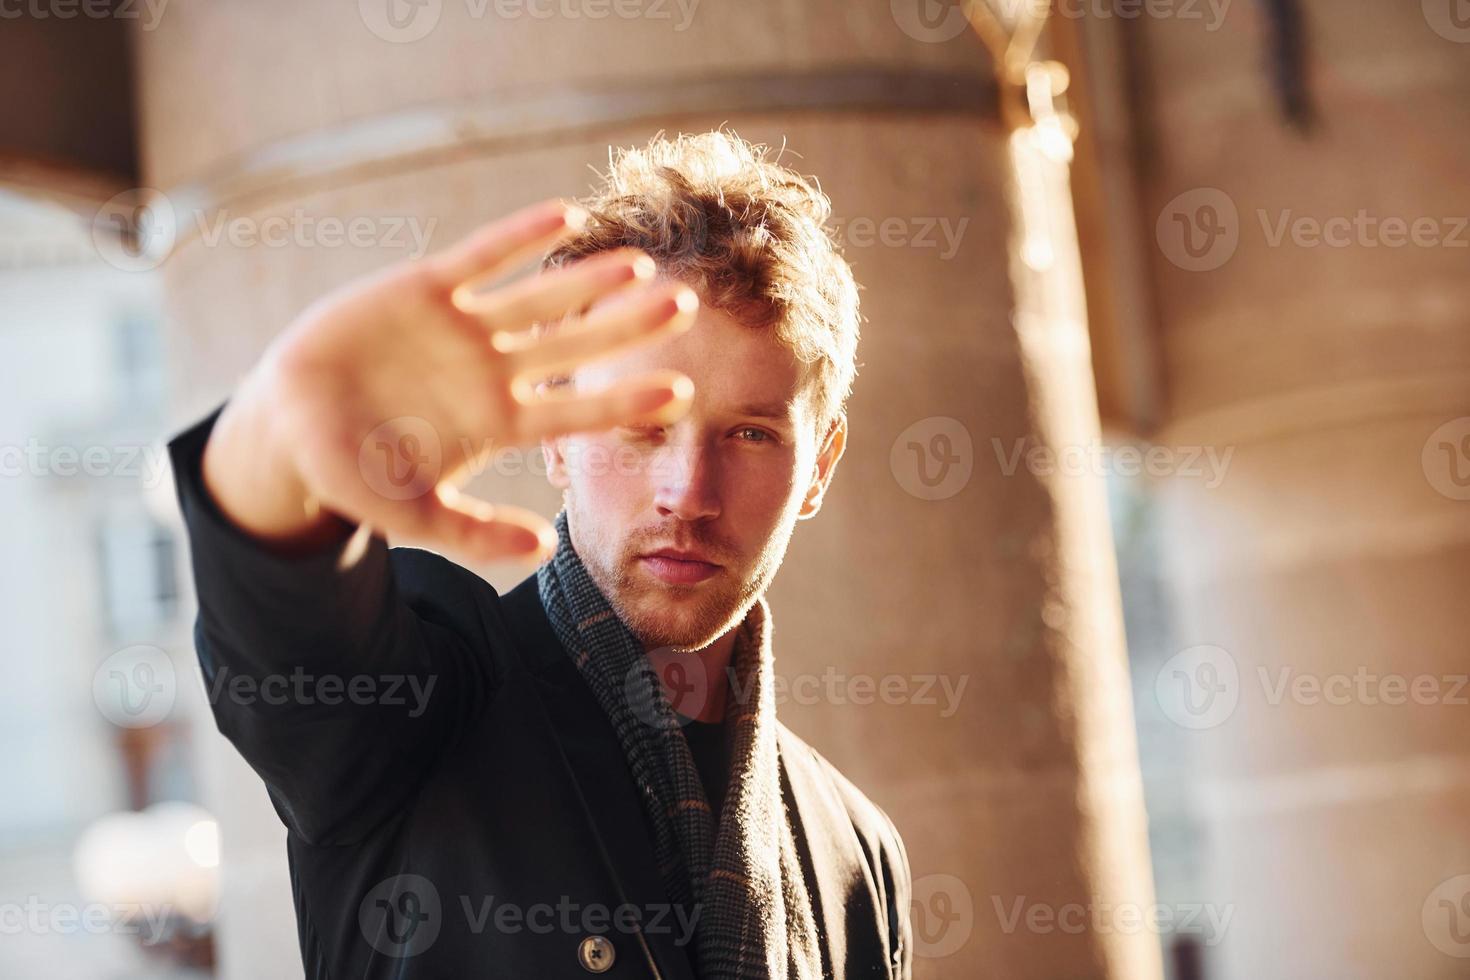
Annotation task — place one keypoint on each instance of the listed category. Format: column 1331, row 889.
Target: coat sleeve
column 338, row 693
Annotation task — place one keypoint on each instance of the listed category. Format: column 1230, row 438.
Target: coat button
column 596, row 954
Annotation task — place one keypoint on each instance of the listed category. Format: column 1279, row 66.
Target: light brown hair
column 748, row 234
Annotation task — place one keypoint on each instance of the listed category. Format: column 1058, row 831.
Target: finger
column 652, row 313
column 448, row 520
column 445, row 519
column 488, row 532
column 417, row 503
column 658, row 399
column 503, row 245
column 552, row 295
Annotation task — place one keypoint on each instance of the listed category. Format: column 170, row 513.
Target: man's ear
column 827, row 457
column 556, row 464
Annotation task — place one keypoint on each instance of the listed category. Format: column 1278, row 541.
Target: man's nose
column 688, row 482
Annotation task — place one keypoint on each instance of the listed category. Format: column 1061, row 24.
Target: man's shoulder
column 443, row 591
column 427, row 577
column 512, row 622
column 874, row 828
column 419, row 565
column 881, row 844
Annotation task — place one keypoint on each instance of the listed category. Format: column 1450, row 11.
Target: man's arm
column 336, row 692
column 360, row 422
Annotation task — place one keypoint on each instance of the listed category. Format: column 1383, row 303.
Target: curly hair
column 749, row 235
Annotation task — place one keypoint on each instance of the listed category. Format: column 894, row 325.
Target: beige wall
column 1336, row 546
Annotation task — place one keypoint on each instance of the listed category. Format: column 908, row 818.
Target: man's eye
column 752, row 434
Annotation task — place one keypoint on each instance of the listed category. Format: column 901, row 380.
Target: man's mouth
column 678, row 567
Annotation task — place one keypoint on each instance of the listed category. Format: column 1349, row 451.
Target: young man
column 585, row 774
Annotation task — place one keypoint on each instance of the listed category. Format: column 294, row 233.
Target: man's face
column 718, row 492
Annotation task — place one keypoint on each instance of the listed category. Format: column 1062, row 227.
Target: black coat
column 456, row 803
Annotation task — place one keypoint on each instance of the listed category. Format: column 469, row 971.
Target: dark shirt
column 712, row 759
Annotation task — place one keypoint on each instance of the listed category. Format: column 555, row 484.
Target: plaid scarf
column 743, row 878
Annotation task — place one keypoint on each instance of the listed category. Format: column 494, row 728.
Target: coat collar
column 596, row 765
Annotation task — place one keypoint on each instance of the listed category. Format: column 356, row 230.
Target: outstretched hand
column 378, row 402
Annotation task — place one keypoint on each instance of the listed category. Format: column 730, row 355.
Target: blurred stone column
column 954, row 609
column 1314, row 298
